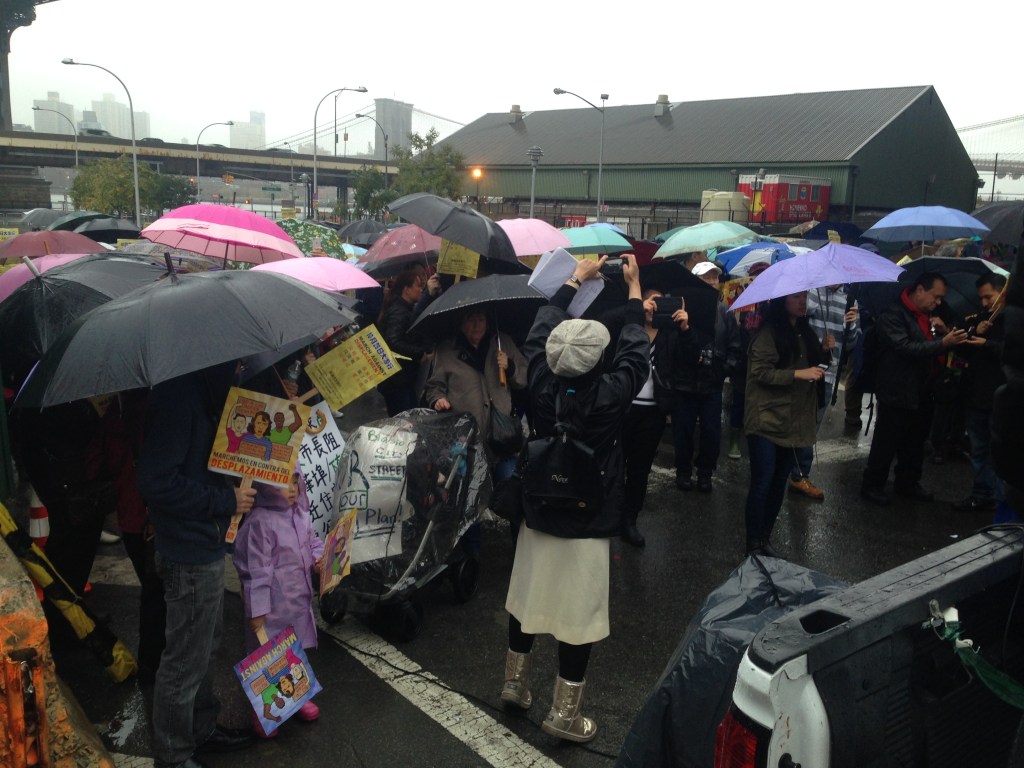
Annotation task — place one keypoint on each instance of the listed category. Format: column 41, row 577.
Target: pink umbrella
column 399, row 247
column 46, row 242
column 18, row 275
column 532, row 237
column 322, row 272
column 223, row 232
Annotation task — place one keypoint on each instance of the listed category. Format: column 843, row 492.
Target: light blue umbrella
column 701, row 237
column 925, row 223
column 738, row 261
column 608, row 225
column 595, row 240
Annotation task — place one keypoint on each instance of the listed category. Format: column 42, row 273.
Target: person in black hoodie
column 190, row 509
column 983, row 376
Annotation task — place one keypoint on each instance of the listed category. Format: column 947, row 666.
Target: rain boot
column 517, row 687
column 564, row 720
column 734, row 442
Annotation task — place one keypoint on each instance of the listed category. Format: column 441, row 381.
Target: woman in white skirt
column 559, row 582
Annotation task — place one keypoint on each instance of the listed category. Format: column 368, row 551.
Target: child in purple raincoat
column 275, row 553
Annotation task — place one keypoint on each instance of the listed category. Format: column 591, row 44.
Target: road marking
column 452, row 711
column 131, row 761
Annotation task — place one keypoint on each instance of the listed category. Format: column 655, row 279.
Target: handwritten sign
column 337, row 560
column 353, row 367
column 6, row 233
column 259, row 437
column 456, row 259
column 277, row 679
column 371, row 482
column 319, row 456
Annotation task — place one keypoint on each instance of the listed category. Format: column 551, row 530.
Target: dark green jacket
column 779, row 406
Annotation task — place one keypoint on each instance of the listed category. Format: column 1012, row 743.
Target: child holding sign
column 275, row 553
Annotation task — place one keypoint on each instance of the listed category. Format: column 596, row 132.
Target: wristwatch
column 576, row 280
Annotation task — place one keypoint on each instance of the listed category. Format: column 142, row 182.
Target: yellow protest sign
column 589, row 257
column 259, row 436
column 6, row 233
column 124, row 242
column 833, row 236
column 353, row 367
column 456, row 259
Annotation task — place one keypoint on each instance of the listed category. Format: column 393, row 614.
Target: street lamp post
column 131, row 115
column 291, row 163
column 535, row 153
column 200, row 136
column 304, row 178
column 600, row 157
column 385, row 146
column 74, row 131
column 477, row 173
column 360, row 89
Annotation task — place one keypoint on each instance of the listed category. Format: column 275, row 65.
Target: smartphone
column 823, row 366
column 667, row 305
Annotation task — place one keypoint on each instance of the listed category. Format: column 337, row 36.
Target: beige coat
column 462, row 385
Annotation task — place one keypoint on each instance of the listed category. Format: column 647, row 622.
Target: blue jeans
column 687, row 410
column 770, row 465
column 805, row 456
column 184, row 705
column 987, row 485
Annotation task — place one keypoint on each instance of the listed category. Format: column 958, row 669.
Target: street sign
column 271, row 189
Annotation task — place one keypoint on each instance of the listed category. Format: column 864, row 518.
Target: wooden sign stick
column 236, row 519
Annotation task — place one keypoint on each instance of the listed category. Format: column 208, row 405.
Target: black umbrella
column 38, row 218
column 460, row 224
column 75, row 218
column 108, row 230
column 508, row 300
column 1005, row 219
column 35, row 314
column 179, row 325
column 960, row 276
column 361, row 232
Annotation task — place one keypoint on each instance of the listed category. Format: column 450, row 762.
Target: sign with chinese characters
column 353, row 367
column 455, row 259
column 318, row 457
column 6, row 233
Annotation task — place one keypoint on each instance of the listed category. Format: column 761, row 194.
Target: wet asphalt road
column 433, row 701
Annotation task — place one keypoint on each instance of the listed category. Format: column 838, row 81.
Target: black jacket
column 394, row 327
column 702, row 362
column 608, row 396
column 984, row 373
column 904, row 359
column 1007, row 408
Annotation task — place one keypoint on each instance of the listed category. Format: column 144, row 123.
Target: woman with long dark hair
column 781, row 408
column 401, row 307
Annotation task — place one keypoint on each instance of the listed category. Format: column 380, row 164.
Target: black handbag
column 505, row 436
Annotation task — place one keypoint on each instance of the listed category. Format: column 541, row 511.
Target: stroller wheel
column 333, row 607
column 465, row 577
column 407, row 619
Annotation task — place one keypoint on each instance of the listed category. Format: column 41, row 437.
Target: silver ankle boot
column 564, row 720
column 517, row 686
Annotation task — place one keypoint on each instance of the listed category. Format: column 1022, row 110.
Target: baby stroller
column 416, row 483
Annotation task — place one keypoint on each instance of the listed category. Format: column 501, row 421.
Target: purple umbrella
column 834, row 264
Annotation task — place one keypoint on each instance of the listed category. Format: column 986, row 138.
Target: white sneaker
column 106, row 537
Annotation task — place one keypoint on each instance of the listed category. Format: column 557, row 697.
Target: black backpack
column 563, row 485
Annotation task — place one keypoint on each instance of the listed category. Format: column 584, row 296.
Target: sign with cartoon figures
column 371, row 482
column 277, row 679
column 319, row 456
column 259, row 436
column 353, row 367
column 337, row 560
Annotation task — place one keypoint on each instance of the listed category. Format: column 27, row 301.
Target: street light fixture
column 229, row 122
column 360, row 89
column 535, row 153
column 74, row 131
column 600, row 157
column 131, row 115
column 385, row 146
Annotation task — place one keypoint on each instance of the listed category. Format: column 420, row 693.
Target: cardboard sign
column 337, row 560
column 353, row 367
column 455, row 259
column 277, row 679
column 259, row 437
column 731, row 289
column 319, row 455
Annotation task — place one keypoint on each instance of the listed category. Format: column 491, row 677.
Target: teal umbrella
column 304, row 233
column 701, row 237
column 595, row 240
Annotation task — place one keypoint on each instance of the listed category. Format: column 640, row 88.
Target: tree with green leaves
column 370, row 196
column 423, row 167
column 13, row 14
column 107, row 186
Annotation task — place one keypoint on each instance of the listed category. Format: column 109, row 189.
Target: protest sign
column 550, row 274
column 455, row 259
column 6, row 233
column 731, row 289
column 277, row 679
column 124, row 242
column 336, row 563
column 258, row 437
column 319, row 455
column 353, row 367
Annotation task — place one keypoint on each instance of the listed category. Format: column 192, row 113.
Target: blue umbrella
column 701, row 237
column 925, row 223
column 834, row 264
column 738, row 261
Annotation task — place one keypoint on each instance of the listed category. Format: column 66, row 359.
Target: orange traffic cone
column 38, row 526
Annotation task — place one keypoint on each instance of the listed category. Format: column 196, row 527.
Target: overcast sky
column 190, row 63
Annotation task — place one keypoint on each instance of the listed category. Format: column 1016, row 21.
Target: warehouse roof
column 792, row 128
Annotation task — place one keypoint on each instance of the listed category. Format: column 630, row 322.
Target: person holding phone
column 784, row 365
